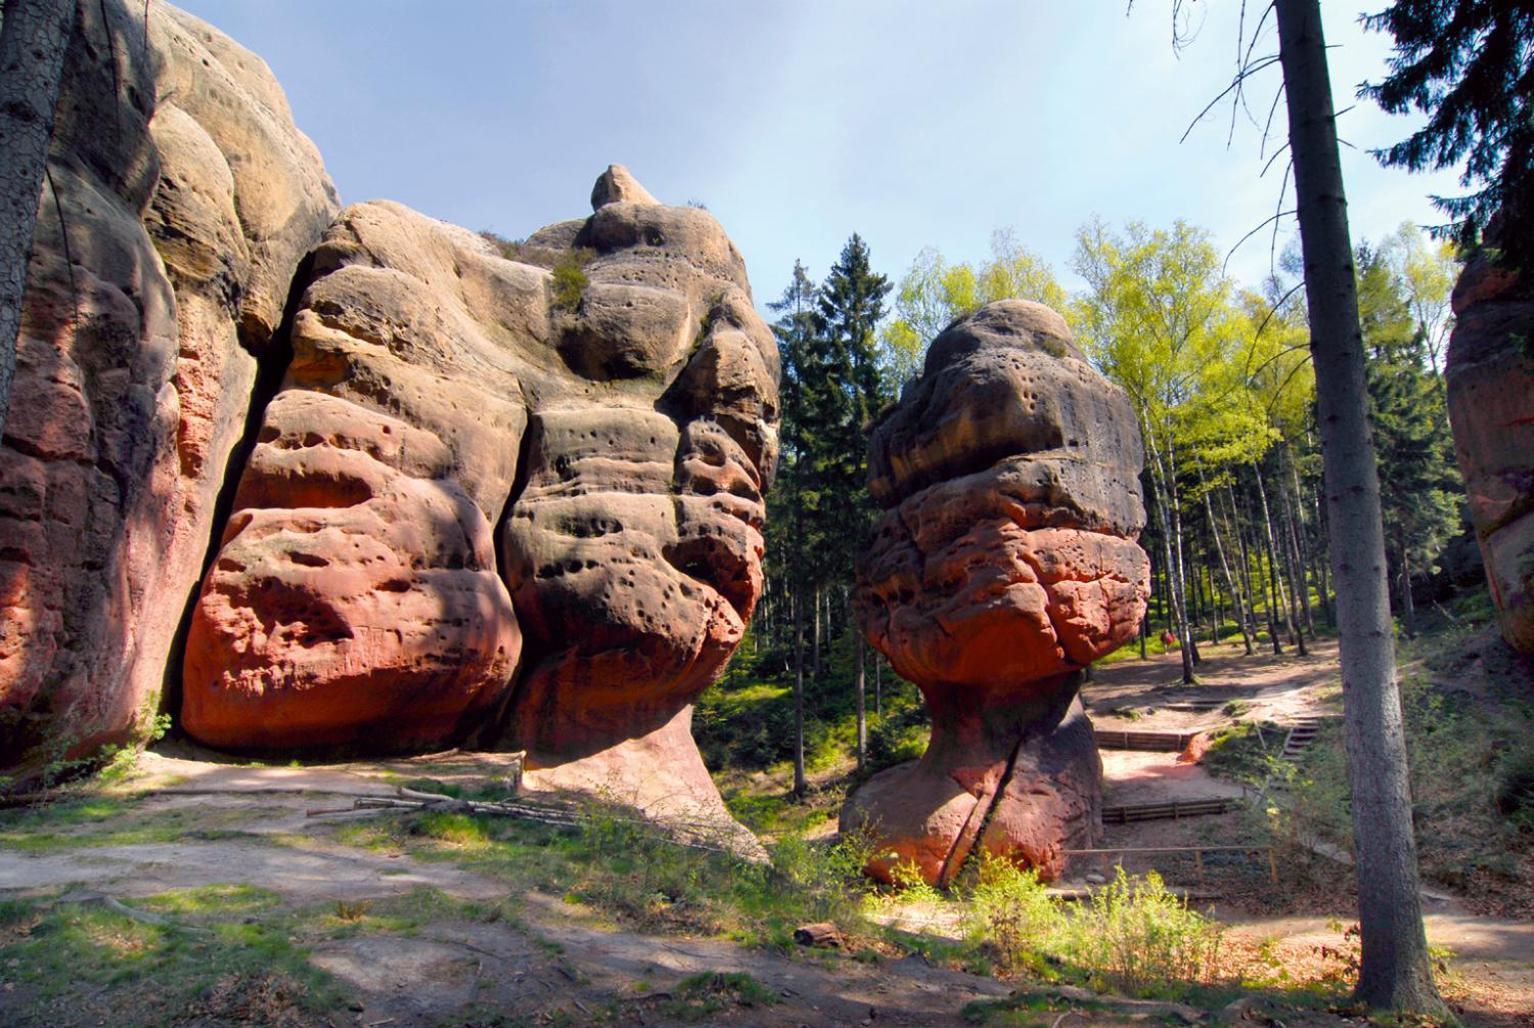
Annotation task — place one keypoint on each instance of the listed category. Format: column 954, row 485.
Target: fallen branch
column 112, row 903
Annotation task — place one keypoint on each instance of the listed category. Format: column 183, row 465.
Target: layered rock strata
column 1490, row 378
column 179, row 200
column 1005, row 561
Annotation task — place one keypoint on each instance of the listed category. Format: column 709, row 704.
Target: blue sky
column 798, row 123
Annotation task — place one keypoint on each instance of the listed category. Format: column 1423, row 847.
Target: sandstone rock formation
column 401, row 486
column 1004, row 563
column 181, row 199
column 1490, row 378
column 621, row 438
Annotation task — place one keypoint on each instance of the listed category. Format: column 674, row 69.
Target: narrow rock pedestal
column 1005, row 562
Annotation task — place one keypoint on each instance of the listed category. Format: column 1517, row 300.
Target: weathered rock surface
column 622, row 443
column 452, row 500
column 1005, row 562
column 182, row 198
column 1490, row 379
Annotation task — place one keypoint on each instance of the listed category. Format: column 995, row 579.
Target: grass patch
column 638, row 876
column 114, row 820
column 69, row 964
column 703, row 995
column 1245, row 751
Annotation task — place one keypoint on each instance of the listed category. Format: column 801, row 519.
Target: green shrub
column 1138, row 938
column 511, row 249
column 570, row 279
column 1012, row 914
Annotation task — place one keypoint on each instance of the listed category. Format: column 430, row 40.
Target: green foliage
column 1466, row 65
column 1470, row 767
column 569, row 278
column 1136, row 937
column 934, row 293
column 1245, row 751
column 1012, row 914
column 511, row 249
column 1410, row 420
column 1131, row 936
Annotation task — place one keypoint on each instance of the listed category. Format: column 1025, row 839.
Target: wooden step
column 1176, row 810
column 1161, row 742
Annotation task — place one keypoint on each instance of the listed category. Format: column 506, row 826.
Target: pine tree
column 1394, row 971
column 851, row 306
column 1468, row 65
column 791, row 523
column 1421, row 485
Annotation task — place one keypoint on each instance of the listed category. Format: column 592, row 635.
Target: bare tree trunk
column 798, row 604
column 1275, row 580
column 1189, row 643
column 1394, row 970
column 862, row 710
column 33, row 39
column 1172, row 569
column 1230, row 580
column 815, row 600
column 1299, row 533
column 1408, row 605
column 878, row 684
column 1299, row 601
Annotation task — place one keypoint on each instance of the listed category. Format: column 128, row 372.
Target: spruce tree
column 1469, row 66
column 792, row 523
column 1420, row 482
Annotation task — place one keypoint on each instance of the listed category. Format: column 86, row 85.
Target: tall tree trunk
column 1299, row 601
column 1294, row 503
column 1246, row 560
column 1394, row 971
column 1230, row 581
column 878, row 684
column 815, row 600
column 862, row 710
column 1171, row 568
column 1189, row 643
column 1276, row 585
column 798, row 604
column 1408, row 605
column 33, row 39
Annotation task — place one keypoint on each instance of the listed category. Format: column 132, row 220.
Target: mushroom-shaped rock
column 1005, row 562
column 1490, row 378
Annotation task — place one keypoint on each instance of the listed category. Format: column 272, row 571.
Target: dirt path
column 556, row 963
column 1493, row 959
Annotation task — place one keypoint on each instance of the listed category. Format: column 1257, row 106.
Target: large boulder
column 1005, row 562
column 1490, row 378
column 180, row 199
column 517, row 499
